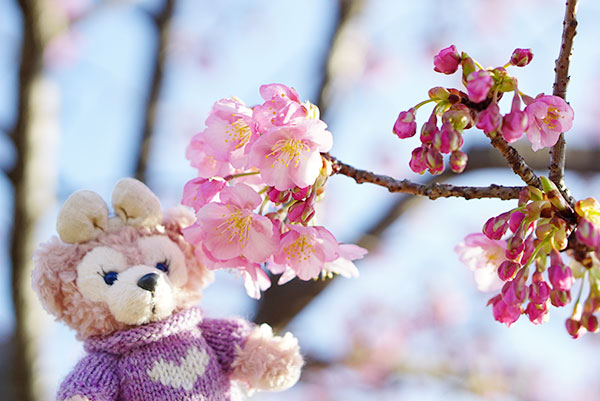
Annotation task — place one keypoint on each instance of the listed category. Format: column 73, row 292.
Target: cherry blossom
column 549, row 116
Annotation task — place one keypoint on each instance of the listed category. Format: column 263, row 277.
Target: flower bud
column 515, row 247
column 515, row 292
column 301, row 212
column 300, row 193
column 515, row 123
column 587, row 233
column 589, row 322
column 276, row 196
column 521, row 57
column 535, row 194
column 458, row 161
column 508, row 270
column 554, row 195
column 503, row 81
column 515, row 221
column 417, row 160
column 588, row 208
column 447, row 60
column 560, row 298
column 438, row 93
column 537, row 313
column 405, row 125
column 429, row 129
column 504, row 313
column 434, row 161
column 539, row 292
column 447, row 139
column 561, row 277
column 478, row 85
column 468, row 67
column 459, row 116
column 490, row 119
column 574, row 328
column 495, row 227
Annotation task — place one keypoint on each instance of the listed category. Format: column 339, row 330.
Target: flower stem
column 577, row 307
column 540, row 245
column 424, row 102
column 234, row 176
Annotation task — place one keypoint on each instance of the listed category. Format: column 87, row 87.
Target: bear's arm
column 223, row 335
column 94, row 378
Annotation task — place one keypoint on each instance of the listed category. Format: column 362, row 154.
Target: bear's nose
column 148, row 281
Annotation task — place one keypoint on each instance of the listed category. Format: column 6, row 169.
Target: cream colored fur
column 83, row 217
column 268, row 362
column 135, row 204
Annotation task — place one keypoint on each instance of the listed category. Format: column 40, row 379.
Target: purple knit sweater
column 180, row 358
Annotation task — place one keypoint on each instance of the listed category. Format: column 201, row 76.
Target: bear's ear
column 135, row 203
column 82, row 218
column 53, row 270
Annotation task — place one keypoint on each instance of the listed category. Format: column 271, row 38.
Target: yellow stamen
column 301, row 249
column 237, row 226
column 240, row 132
column 286, row 150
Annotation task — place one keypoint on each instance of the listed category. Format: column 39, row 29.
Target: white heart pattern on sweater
column 185, row 375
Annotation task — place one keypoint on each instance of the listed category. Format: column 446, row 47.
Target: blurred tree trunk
column 162, row 21
column 33, row 182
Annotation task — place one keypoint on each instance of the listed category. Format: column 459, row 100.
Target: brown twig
column 561, row 81
column 432, row 190
column 515, row 161
column 161, row 22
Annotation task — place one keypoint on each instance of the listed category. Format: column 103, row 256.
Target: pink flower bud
column 561, row 277
column 434, row 161
column 515, row 292
column 587, row 233
column 521, row 57
column 574, row 328
column 514, row 123
column 515, row 221
column 300, row 193
column 490, row 119
column 447, row 60
column 539, row 292
column 417, row 161
column 458, row 161
column 560, row 298
column 528, row 249
column 536, row 313
column 590, row 322
column 504, row 313
column 515, row 247
column 276, row 196
column 429, row 129
column 301, row 212
column 478, row 85
column 447, row 139
column 405, row 125
column 507, row 270
column 495, row 227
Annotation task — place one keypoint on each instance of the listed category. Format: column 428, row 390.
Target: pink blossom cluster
column 519, row 252
column 542, row 119
column 260, row 173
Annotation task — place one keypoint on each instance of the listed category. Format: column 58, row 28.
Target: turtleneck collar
column 125, row 340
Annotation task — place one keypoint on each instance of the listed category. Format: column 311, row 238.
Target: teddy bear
column 128, row 285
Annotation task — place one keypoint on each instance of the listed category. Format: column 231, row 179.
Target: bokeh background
column 94, row 90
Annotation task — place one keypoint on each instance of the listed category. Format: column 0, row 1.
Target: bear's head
column 109, row 273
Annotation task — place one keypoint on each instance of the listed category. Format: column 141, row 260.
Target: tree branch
column 561, row 81
column 161, row 22
column 432, row 190
column 347, row 10
column 515, row 161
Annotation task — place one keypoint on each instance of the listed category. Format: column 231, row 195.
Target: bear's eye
column 110, row 277
column 163, row 266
